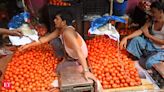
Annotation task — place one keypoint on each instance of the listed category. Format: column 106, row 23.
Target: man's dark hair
column 66, row 15
column 157, row 5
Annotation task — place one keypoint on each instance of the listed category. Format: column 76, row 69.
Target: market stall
column 34, row 69
column 37, row 65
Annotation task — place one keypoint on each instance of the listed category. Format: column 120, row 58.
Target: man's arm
column 134, row 34
column 155, row 39
column 70, row 38
column 49, row 37
column 139, row 31
column 151, row 37
column 44, row 39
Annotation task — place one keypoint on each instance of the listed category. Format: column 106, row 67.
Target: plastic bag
column 16, row 23
column 16, row 40
column 100, row 26
column 18, row 20
column 103, row 20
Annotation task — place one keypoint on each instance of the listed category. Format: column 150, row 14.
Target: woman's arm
column 10, row 32
column 4, row 31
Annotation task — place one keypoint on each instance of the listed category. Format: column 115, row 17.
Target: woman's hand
column 16, row 32
column 123, row 43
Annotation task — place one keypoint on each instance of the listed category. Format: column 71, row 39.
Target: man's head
column 63, row 18
column 157, row 10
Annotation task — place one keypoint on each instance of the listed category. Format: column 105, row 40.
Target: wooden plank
column 146, row 85
column 160, row 68
column 71, row 78
column 3, row 65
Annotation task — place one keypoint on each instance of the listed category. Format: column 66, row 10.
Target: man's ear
column 65, row 22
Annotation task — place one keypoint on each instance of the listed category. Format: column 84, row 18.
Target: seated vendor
column 74, row 45
column 148, row 41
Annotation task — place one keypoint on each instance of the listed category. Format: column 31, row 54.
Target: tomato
column 31, row 70
column 59, row 3
column 114, row 69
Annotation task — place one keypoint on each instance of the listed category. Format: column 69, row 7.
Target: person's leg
column 64, row 64
column 158, row 57
column 58, row 47
column 143, row 59
column 136, row 45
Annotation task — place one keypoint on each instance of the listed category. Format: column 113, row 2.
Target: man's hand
column 162, row 46
column 146, row 33
column 23, row 47
column 123, row 43
column 89, row 75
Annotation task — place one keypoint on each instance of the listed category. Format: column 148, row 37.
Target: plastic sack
column 16, row 23
column 103, row 20
column 100, row 26
column 16, row 40
column 18, row 20
column 119, row 1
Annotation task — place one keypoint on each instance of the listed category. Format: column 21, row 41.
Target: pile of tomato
column 41, row 29
column 125, row 32
column 59, row 3
column 110, row 65
column 31, row 70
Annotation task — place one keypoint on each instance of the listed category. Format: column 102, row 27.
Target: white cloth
column 16, row 40
column 159, row 34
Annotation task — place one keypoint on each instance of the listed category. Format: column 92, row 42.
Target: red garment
column 35, row 5
column 131, row 6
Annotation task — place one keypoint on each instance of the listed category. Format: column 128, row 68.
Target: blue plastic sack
column 103, row 20
column 18, row 20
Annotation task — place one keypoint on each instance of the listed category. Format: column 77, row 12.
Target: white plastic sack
column 108, row 30
column 16, row 40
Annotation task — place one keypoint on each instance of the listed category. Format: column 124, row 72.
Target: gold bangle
column 39, row 41
column 86, row 70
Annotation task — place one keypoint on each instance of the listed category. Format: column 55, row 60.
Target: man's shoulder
column 68, row 31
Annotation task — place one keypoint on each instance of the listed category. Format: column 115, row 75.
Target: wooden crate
column 3, row 65
column 146, row 85
column 71, row 80
column 160, row 68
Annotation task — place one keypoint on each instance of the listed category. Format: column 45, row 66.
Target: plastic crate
column 99, row 7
